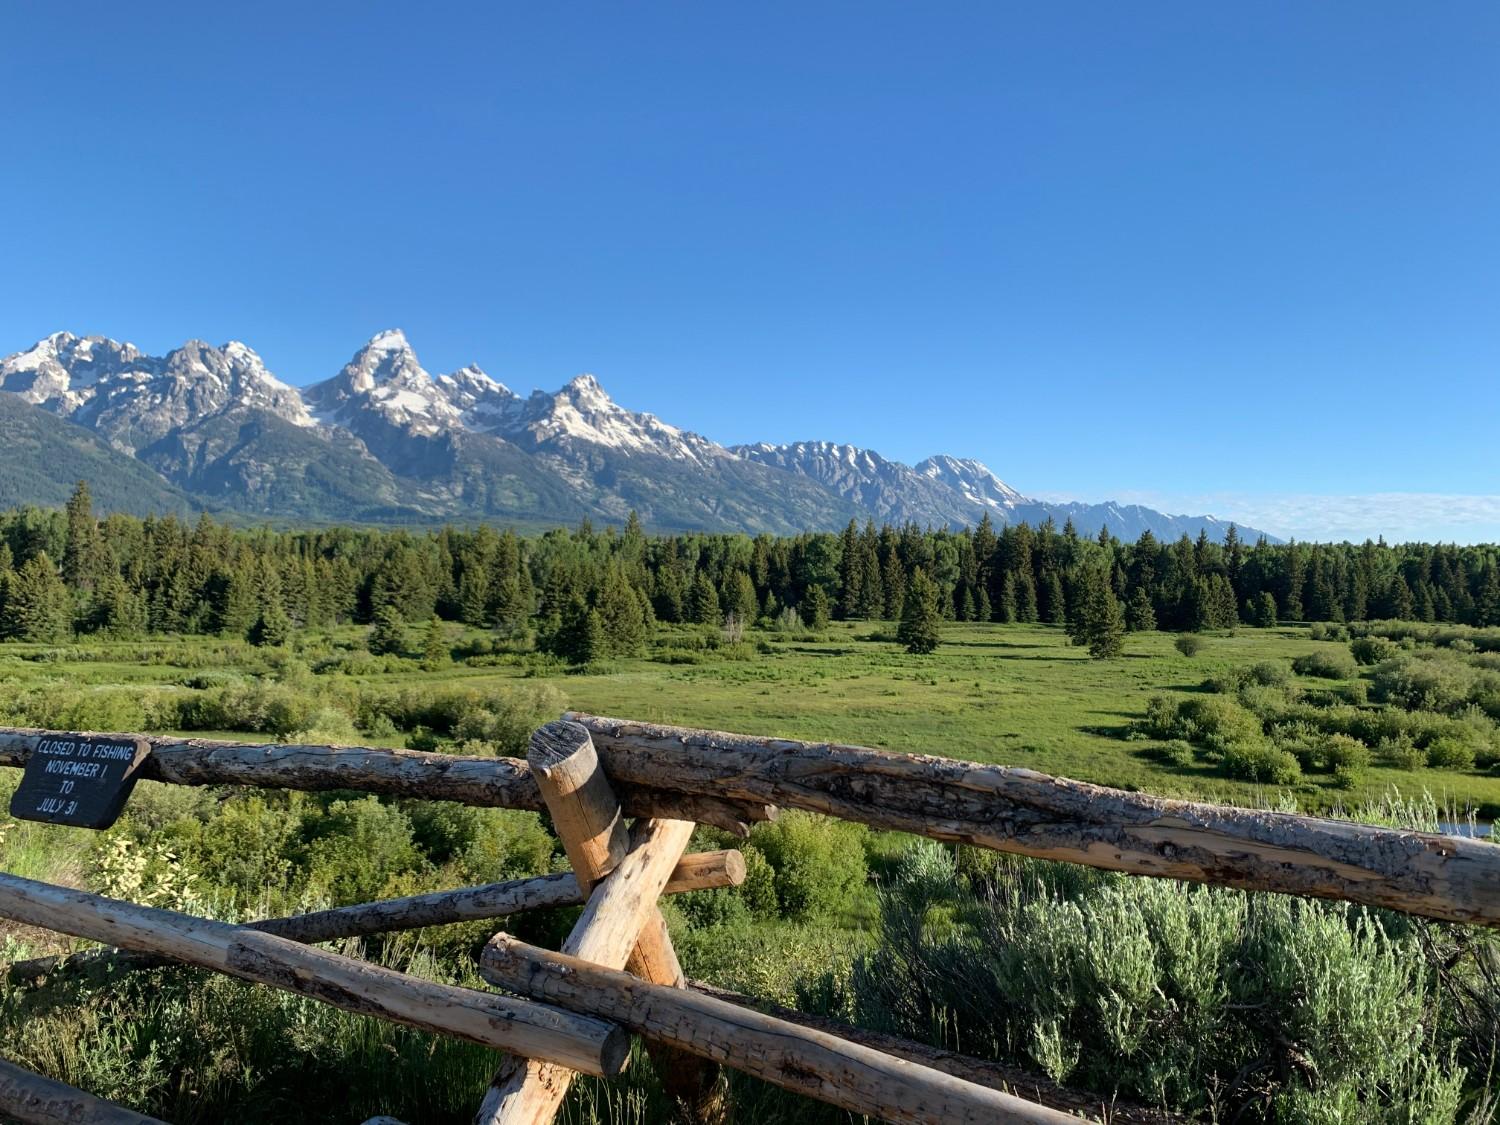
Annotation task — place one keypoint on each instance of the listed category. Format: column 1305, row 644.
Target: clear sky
column 1244, row 255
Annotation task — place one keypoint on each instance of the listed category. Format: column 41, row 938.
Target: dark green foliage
column 1097, row 622
column 581, row 637
column 703, row 601
column 388, row 632
column 1140, row 615
column 272, row 628
column 920, row 628
column 36, row 606
column 815, row 609
column 435, row 651
column 1264, row 615
column 208, row 578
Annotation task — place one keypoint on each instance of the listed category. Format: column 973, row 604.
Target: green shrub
column 357, row 847
column 1189, row 644
column 1372, row 650
column 1328, row 631
column 1268, row 673
column 256, row 706
column 1162, row 992
column 501, row 718
column 1262, row 762
column 819, row 862
column 1174, row 753
column 1399, row 752
column 1428, row 682
column 1451, row 752
column 1326, row 665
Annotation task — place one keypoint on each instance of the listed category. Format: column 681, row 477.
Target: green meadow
column 1015, row 695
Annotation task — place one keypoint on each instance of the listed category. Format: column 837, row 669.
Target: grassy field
column 1008, row 694
column 871, row 927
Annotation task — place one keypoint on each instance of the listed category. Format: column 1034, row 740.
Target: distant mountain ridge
column 384, row 440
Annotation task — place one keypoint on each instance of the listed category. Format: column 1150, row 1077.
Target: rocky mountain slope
column 386, row 440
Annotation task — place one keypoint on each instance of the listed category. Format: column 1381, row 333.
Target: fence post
column 620, row 927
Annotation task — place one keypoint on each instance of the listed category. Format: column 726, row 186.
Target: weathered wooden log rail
column 700, row 871
column 1009, row 809
column 465, row 780
column 617, row 972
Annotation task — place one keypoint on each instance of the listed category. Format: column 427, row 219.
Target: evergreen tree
column 81, row 550
column 1140, row 615
column 920, row 618
column 1026, row 607
column 1006, row 611
column 118, row 610
column 475, row 599
column 1055, row 607
column 1399, row 600
column 815, row 608
column 739, row 597
column 621, row 615
column 37, row 605
column 703, row 601
column 1098, row 622
column 1487, row 603
column 893, row 586
column 1265, row 610
column 435, row 651
column 387, row 632
column 851, row 573
column 272, row 629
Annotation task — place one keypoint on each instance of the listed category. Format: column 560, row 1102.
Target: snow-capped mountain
column 890, row 491
column 133, row 400
column 972, row 480
column 384, row 439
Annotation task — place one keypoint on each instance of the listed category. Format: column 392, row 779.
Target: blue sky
column 1241, row 255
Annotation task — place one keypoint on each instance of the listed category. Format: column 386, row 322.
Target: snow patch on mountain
column 971, row 479
column 133, row 399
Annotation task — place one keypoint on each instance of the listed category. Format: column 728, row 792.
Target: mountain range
column 385, row 441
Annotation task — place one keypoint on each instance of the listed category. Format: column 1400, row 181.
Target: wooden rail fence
column 574, row 1011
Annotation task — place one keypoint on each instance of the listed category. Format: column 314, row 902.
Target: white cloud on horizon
column 1398, row 516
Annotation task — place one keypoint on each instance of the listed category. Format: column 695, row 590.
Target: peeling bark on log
column 797, row 1058
column 36, row 1100
column 481, row 782
column 519, row 1027
column 1009, row 809
column 985, row 1072
column 696, row 872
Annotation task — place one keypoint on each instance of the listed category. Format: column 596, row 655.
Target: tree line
column 65, row 572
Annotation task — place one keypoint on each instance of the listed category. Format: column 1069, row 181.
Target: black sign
column 79, row 779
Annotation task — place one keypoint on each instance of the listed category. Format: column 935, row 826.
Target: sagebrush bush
column 1162, row 992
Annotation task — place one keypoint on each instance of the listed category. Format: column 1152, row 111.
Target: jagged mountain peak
column 133, row 399
column 391, row 340
column 890, row 490
column 384, row 382
column 971, row 478
column 582, row 411
column 386, row 358
column 384, row 439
